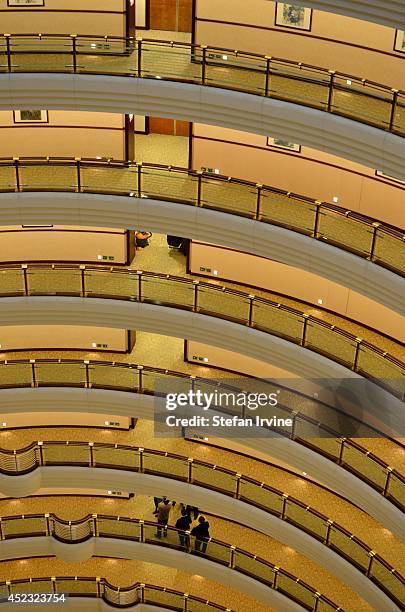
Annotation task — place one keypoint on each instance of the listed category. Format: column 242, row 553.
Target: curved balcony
column 200, row 298
column 390, row 13
column 202, row 223
column 147, row 532
column 307, row 429
column 200, row 474
column 100, row 588
column 276, row 92
column 366, row 237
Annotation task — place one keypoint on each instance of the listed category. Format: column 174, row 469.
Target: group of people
column 142, row 238
column 200, row 531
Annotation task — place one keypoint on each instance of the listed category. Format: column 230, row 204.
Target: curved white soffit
column 212, row 501
column 390, row 13
column 163, row 320
column 257, row 238
column 63, row 399
column 214, row 106
column 148, row 553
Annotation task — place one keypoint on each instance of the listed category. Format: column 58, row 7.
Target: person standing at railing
column 163, row 512
column 183, row 524
column 202, row 534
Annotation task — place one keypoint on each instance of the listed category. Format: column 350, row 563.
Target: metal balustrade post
column 1, row 529
column 87, row 384
column 318, row 205
column 204, row 64
column 195, row 304
column 139, row 179
column 387, row 481
column 140, row 378
column 139, row 57
column 370, row 564
column 94, row 524
column 304, row 329
column 53, row 580
column 330, row 93
column 16, row 161
column 294, row 415
column 139, row 296
column 342, row 449
column 33, row 374
column 259, row 188
column 142, row 531
column 237, row 486
column 142, row 593
column 41, row 453
column 48, row 524
column 199, row 187
column 267, row 81
column 185, row 602
column 190, row 470
column 376, row 225
column 317, row 595
column 91, row 454
column 283, row 509
column 78, row 174
column 98, row 585
column 231, row 563
column 328, row 532
column 393, row 108
column 251, row 304
column 73, row 38
column 276, row 568
column 141, row 467
column 8, row 51
column 82, row 281
column 357, row 354
column 24, row 268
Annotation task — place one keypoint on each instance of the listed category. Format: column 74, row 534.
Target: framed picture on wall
column 25, row 2
column 399, row 44
column 282, row 143
column 293, row 16
column 387, row 176
column 30, row 116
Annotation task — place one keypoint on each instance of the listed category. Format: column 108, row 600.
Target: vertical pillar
column 129, row 137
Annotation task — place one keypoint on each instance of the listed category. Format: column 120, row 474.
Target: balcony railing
column 214, row 477
column 210, row 299
column 262, row 75
column 306, row 429
column 120, row 597
column 364, row 236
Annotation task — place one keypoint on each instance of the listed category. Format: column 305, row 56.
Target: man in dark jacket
column 183, row 524
column 202, row 534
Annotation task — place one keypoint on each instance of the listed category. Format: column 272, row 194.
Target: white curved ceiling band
column 390, row 13
column 216, row 227
column 217, row 503
column 121, row 403
column 172, row 321
column 148, row 553
column 339, row 136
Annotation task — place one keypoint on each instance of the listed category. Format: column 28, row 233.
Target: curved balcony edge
column 148, row 553
column 337, row 135
column 186, row 324
column 62, row 399
column 50, row 477
column 262, row 239
column 390, row 13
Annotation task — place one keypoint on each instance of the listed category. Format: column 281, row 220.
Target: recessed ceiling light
column 304, row 473
column 94, row 344
column 335, row 199
column 93, row 45
column 215, row 272
column 4, row 424
column 320, row 301
column 205, row 359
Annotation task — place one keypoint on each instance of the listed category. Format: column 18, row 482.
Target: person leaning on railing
column 202, row 534
column 163, row 512
column 183, row 524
